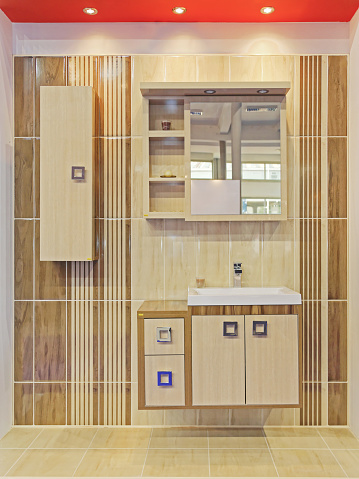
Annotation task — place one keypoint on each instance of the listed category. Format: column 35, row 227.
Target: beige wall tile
column 213, row 253
column 278, row 417
column 180, row 68
column 278, row 254
column 246, row 417
column 181, row 417
column 145, row 68
column 281, row 68
column 137, row 172
column 248, row 68
column 292, row 178
column 180, row 258
column 147, row 259
column 213, row 417
column 213, row 68
column 246, row 247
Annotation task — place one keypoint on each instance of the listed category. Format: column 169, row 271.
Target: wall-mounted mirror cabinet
column 215, row 156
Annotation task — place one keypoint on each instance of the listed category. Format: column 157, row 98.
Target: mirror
column 237, row 143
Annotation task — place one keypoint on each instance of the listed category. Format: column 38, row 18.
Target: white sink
column 242, row 296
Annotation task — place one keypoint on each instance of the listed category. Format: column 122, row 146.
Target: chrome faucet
column 237, row 275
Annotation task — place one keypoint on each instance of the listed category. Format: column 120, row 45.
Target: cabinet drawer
column 272, row 359
column 164, row 381
column 164, row 336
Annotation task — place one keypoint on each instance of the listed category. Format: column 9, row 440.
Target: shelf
column 166, row 133
column 164, row 214
column 176, row 179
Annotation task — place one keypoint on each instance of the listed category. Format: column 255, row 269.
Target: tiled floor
column 179, row 452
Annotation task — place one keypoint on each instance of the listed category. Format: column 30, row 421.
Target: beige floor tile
column 306, row 463
column 179, row 438
column 177, row 463
column 112, row 462
column 294, row 438
column 241, row 462
column 134, row 437
column 233, row 438
column 71, row 437
column 8, row 457
column 339, row 438
column 51, row 463
column 20, row 437
column 349, row 460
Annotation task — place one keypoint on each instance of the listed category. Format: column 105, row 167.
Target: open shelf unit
column 164, row 158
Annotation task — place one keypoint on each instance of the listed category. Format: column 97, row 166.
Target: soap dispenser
column 237, row 276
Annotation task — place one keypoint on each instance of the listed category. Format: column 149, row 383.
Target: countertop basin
column 242, row 296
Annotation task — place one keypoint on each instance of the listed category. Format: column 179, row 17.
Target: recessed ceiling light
column 267, row 10
column 262, row 92
column 179, row 10
column 209, row 92
column 90, row 11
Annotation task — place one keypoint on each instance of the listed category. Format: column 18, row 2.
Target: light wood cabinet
column 67, row 174
column 218, row 363
column 272, row 359
column 218, row 356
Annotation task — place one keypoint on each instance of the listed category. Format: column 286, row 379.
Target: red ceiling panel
column 40, row 11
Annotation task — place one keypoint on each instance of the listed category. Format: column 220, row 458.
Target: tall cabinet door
column 272, row 359
column 67, row 173
column 218, row 364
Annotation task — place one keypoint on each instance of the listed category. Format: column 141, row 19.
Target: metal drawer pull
column 164, row 378
column 259, row 328
column 164, row 335
column 77, row 172
column 230, row 328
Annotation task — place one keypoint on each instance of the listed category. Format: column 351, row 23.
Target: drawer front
column 164, row 336
column 272, row 359
column 164, row 381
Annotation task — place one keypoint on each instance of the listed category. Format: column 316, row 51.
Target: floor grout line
column 26, row 449
column 148, row 448
column 270, row 452
column 346, row 475
column 79, row 464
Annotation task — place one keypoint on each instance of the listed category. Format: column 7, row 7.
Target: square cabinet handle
column 164, row 378
column 164, row 335
column 259, row 328
column 230, row 328
column 77, row 172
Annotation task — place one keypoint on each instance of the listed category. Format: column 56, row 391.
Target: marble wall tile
column 50, row 404
column 24, row 171
column 278, row 254
column 50, row 341
column 180, row 68
column 23, row 341
column 246, row 68
column 145, row 68
column 180, row 258
column 147, row 259
column 213, row 253
column 23, row 404
column 245, row 246
column 212, row 68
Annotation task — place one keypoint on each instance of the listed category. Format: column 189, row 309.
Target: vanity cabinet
column 218, row 362
column 218, row 356
column 67, row 173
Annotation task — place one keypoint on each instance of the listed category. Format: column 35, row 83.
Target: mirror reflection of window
column 239, row 140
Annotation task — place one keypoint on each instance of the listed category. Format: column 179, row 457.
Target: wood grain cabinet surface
column 67, row 202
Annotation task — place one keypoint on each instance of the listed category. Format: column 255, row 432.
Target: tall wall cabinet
column 67, row 173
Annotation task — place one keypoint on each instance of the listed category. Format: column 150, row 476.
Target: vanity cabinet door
column 164, row 380
column 272, row 359
column 164, row 336
column 218, row 365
